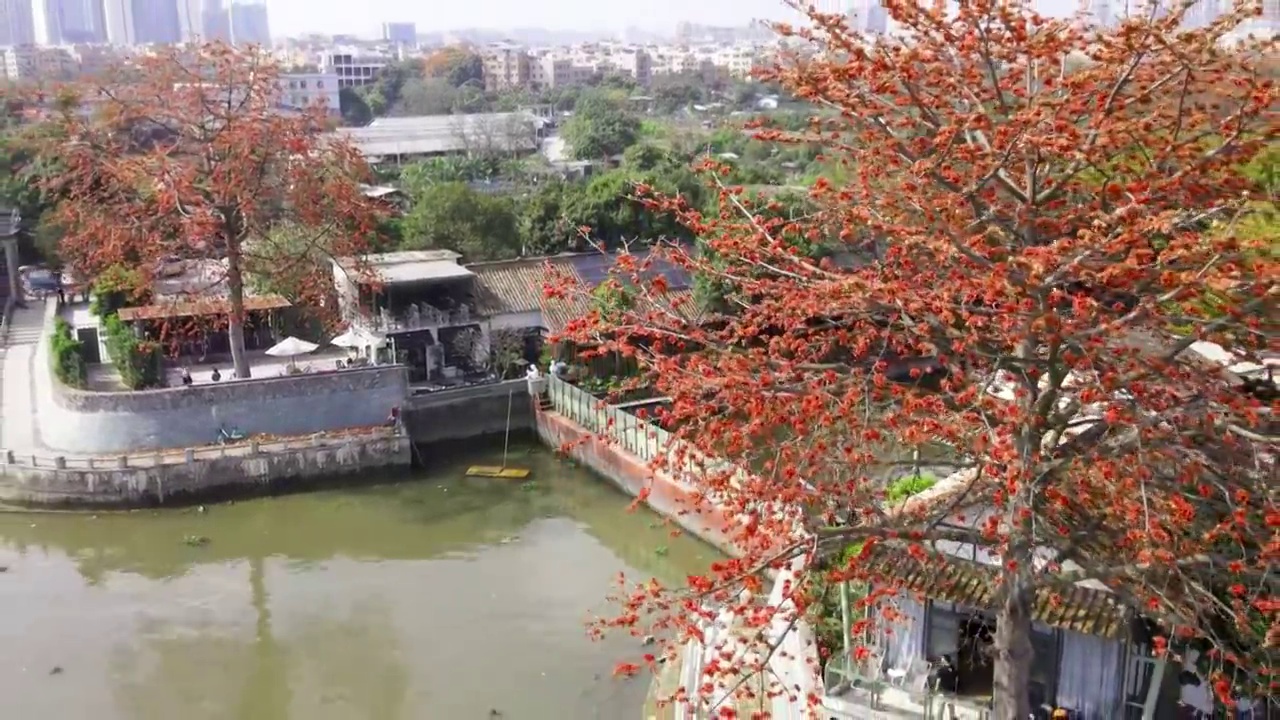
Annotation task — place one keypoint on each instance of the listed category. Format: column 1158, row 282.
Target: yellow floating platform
column 493, row 471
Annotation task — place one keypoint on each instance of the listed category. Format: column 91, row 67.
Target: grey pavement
column 17, row 406
column 26, row 392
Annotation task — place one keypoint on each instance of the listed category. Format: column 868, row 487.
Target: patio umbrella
column 358, row 340
column 349, row 339
column 291, row 347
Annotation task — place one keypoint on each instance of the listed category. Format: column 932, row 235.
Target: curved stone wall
column 85, row 422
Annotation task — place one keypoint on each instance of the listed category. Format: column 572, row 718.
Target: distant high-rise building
column 119, row 22
column 156, row 21
column 61, row 22
column 869, row 16
column 400, row 33
column 249, row 25
column 17, row 23
column 191, row 20
column 1097, row 13
column 215, row 22
column 1202, row 13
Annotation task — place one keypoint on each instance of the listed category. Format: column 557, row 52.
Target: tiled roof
column 514, row 286
column 517, row 286
column 970, row 584
column 199, row 307
column 558, row 313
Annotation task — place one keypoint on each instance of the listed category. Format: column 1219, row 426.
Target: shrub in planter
column 905, row 487
column 138, row 361
column 67, row 356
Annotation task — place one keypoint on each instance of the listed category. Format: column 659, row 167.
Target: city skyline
column 131, row 22
column 127, row 22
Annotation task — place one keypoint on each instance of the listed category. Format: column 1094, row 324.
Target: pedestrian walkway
column 17, row 406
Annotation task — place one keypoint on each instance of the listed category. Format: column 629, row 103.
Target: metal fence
column 637, row 436
column 246, row 448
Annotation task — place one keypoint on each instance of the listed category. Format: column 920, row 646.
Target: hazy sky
column 364, row 17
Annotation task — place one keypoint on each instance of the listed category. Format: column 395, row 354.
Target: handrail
column 181, row 456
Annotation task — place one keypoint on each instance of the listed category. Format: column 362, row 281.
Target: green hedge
column 905, row 487
column 139, row 362
column 68, row 359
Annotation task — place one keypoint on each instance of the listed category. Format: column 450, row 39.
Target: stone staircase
column 26, row 326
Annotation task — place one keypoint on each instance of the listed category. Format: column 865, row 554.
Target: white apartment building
column 97, row 59
column 302, row 90
column 353, row 67
column 505, row 65
column 32, row 62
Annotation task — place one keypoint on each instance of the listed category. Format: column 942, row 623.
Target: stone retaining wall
column 467, row 413
column 241, row 469
column 87, row 422
column 667, row 496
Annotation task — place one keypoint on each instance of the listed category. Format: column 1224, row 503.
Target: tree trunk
column 236, row 314
column 1014, row 652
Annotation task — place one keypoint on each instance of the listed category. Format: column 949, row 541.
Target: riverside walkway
column 25, row 392
column 17, row 379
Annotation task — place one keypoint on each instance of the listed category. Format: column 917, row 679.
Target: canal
column 436, row 597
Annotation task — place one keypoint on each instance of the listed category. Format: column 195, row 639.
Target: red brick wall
column 667, row 496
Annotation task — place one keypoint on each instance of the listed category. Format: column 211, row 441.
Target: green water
column 439, row 597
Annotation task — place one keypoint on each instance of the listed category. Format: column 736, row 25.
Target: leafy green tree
column 25, row 175
column 602, row 126
column 384, row 96
column 454, row 217
column 544, row 226
column 354, row 107
column 676, row 91
column 609, row 204
column 456, row 65
column 644, row 157
column 417, row 177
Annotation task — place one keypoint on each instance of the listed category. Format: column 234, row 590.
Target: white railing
column 417, row 317
column 639, row 437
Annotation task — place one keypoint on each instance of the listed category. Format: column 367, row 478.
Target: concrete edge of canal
column 667, row 496
column 207, row 473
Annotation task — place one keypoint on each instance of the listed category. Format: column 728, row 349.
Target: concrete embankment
column 618, row 447
column 469, row 413
column 198, row 473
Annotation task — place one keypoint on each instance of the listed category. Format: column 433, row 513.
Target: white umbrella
column 349, row 339
column 291, row 347
column 354, row 338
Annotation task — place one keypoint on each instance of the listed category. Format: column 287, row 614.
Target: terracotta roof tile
column 1081, row 609
column 514, row 286
column 199, row 307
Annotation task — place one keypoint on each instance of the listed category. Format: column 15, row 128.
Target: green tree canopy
column 452, row 216
column 602, row 126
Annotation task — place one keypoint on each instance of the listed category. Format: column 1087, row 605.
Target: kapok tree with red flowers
column 1039, row 226
column 190, row 154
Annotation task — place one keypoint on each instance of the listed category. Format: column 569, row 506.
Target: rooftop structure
column 396, row 137
column 195, row 288
column 407, row 267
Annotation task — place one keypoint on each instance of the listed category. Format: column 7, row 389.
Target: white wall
column 516, row 321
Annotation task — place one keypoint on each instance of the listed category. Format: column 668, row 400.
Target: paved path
column 17, row 407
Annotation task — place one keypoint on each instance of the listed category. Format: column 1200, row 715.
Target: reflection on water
column 443, row 597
